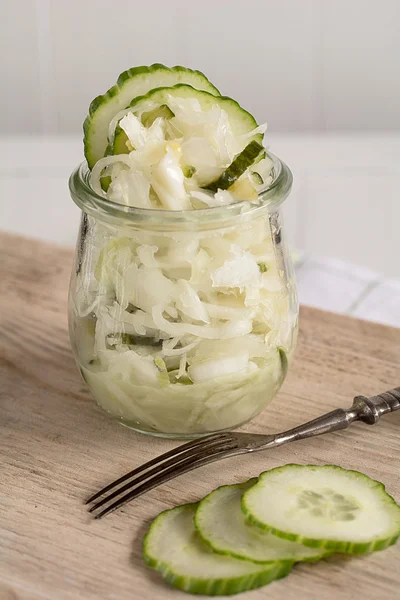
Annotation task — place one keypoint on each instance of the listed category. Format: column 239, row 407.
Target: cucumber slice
column 131, row 84
column 240, row 164
column 222, row 525
column 324, row 507
column 241, row 121
column 173, row 548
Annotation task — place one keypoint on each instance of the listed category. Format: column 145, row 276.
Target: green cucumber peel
column 238, row 166
column 324, row 507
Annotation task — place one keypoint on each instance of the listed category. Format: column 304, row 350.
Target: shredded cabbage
column 240, row 270
column 169, row 350
column 168, row 180
column 139, row 135
column 205, row 339
column 152, row 174
column 218, row 367
column 189, row 303
column 209, row 405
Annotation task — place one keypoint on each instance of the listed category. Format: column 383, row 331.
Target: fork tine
column 174, row 452
column 196, row 452
column 166, row 475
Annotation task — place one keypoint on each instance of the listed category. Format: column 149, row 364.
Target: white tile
column 344, row 269
column 334, row 157
column 330, row 284
column 355, row 217
column 19, row 68
column 39, row 207
column 41, row 154
column 382, row 304
column 46, row 78
column 361, row 64
column 259, row 52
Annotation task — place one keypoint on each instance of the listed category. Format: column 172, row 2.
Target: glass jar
column 183, row 323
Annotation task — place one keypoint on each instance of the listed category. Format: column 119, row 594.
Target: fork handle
column 367, row 410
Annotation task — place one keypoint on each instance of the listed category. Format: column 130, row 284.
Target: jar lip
column 98, row 206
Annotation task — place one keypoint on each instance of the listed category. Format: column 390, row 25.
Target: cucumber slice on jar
column 324, row 507
column 173, row 548
column 222, row 525
column 131, row 84
column 159, row 100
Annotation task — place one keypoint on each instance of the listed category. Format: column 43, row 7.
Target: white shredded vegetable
column 220, row 198
column 168, row 180
column 240, row 270
column 101, row 164
column 189, row 303
column 168, row 351
column 201, row 343
column 196, row 140
column 138, row 134
column 227, row 330
column 182, row 367
column 211, row 368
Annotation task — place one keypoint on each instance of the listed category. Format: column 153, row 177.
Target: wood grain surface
column 57, row 447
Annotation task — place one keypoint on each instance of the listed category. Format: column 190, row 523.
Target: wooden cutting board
column 57, row 447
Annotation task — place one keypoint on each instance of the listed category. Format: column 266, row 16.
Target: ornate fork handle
column 367, row 410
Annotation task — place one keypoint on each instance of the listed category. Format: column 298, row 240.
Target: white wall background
column 325, row 74
column 300, row 64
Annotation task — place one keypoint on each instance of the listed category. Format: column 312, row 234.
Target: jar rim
column 93, row 204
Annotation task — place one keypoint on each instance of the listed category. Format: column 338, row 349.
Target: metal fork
column 203, row 451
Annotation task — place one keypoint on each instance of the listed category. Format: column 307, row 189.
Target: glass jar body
column 187, row 332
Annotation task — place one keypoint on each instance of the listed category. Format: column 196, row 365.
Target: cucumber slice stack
column 150, row 93
column 131, row 84
column 243, row 536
